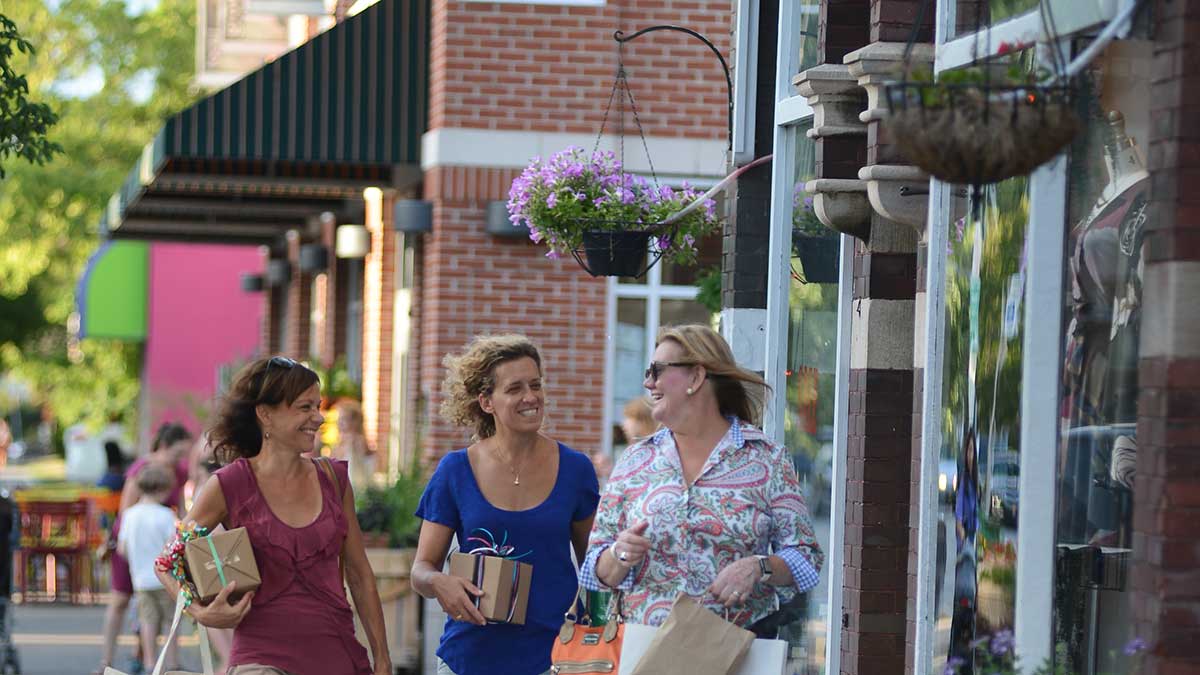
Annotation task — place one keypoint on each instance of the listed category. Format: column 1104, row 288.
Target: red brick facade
column 474, row 283
column 548, row 68
column 1166, row 568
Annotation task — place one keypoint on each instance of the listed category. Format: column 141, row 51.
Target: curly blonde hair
column 473, row 373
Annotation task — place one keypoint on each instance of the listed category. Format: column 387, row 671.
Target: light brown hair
column 474, row 372
column 739, row 391
column 153, row 479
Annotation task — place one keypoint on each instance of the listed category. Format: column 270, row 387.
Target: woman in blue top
column 515, row 486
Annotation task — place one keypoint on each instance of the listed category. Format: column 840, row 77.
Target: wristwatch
column 764, row 566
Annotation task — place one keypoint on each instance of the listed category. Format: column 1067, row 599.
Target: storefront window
column 810, row 11
column 1107, row 220
column 809, row 382
column 979, row 460
column 972, row 14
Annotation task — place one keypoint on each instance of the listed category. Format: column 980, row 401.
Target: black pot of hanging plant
column 980, row 125
column 616, row 253
column 818, row 255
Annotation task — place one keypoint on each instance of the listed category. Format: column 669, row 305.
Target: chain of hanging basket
column 983, row 132
column 618, row 248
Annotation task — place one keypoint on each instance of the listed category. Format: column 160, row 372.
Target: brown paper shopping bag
column 694, row 641
column 219, row 558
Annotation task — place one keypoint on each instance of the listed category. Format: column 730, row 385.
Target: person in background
column 170, row 444
column 636, row 420
column 743, row 541
column 513, row 484
column 147, row 526
column 113, row 479
column 204, row 465
column 352, row 444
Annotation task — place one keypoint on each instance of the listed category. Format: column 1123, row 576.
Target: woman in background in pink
column 170, row 448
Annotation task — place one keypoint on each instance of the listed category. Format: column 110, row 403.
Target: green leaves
column 23, row 123
column 49, row 210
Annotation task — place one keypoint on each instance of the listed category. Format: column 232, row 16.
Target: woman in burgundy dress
column 301, row 527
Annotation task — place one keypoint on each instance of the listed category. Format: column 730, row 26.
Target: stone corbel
column 836, row 100
column 897, row 192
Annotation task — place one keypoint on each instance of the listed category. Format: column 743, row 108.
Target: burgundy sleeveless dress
column 299, row 620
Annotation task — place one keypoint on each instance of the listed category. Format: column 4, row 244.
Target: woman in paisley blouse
column 707, row 506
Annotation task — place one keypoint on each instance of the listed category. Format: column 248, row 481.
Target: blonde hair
column 638, row 410
column 473, row 373
column 350, row 410
column 153, row 479
column 739, row 392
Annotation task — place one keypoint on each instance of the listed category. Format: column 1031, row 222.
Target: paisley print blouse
column 745, row 501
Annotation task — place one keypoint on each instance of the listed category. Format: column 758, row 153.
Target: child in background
column 146, row 527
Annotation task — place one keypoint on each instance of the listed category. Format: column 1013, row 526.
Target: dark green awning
column 301, row 135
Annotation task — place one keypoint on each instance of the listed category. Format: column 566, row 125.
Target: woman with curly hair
column 515, row 486
column 299, row 516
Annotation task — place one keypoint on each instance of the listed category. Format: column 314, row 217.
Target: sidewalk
column 56, row 639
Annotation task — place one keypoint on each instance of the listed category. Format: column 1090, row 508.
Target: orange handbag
column 584, row 649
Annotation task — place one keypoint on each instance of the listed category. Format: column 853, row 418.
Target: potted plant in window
column 813, row 244
column 587, row 206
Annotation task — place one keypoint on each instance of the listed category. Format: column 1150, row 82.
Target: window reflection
column 982, row 13
column 809, row 391
column 1109, row 190
column 978, row 469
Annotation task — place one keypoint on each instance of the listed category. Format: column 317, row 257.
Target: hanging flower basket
column 615, row 254
column 976, row 134
column 818, row 256
column 586, row 206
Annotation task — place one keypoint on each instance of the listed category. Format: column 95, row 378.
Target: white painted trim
column 744, row 329
column 787, row 52
column 1039, row 432
column 672, row 157
column 841, row 426
column 961, row 51
column 610, row 364
column 931, row 424
column 779, row 258
column 745, row 81
column 947, row 13
column 793, row 110
column 662, row 292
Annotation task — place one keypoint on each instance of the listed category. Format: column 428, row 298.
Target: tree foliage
column 138, row 68
column 23, row 123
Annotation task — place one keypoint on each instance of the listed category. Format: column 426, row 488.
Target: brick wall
column 475, row 283
column 549, row 68
column 1166, row 567
column 299, row 304
column 843, row 26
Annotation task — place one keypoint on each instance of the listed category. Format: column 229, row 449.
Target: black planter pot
column 818, row 257
column 616, row 254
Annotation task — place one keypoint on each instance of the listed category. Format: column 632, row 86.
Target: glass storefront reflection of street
column 979, row 461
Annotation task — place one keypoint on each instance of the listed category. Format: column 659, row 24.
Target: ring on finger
column 623, row 556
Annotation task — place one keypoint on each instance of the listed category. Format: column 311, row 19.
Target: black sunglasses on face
column 656, row 368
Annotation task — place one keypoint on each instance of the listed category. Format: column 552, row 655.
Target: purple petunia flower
column 1002, row 643
column 553, row 254
column 1134, row 646
column 551, row 200
column 953, row 665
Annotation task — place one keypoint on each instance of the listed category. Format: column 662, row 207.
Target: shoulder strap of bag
column 326, row 465
column 205, row 656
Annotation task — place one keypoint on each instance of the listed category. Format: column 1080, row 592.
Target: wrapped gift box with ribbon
column 220, row 558
column 504, row 580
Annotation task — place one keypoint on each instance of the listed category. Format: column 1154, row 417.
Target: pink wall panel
column 199, row 319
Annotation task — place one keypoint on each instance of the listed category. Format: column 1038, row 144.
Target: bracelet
column 171, row 560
